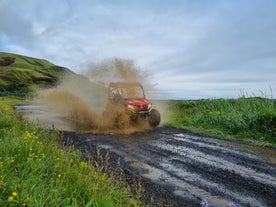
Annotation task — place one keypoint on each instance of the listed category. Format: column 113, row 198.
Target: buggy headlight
column 131, row 107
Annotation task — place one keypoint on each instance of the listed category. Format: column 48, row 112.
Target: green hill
column 20, row 74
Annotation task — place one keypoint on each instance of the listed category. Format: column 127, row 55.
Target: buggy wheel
column 154, row 118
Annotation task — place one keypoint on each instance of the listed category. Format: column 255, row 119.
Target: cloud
column 14, row 29
column 188, row 46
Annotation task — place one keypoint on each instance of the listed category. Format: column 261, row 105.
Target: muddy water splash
column 73, row 108
column 82, row 100
column 117, row 70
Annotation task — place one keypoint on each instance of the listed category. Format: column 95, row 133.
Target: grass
column 36, row 171
column 251, row 119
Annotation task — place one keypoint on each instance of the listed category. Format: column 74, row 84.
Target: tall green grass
column 36, row 171
column 251, row 119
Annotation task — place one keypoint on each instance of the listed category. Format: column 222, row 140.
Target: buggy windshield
column 127, row 92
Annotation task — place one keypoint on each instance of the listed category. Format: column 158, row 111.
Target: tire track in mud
column 189, row 167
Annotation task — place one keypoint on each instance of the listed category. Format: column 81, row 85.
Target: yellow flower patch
column 29, row 136
column 12, row 196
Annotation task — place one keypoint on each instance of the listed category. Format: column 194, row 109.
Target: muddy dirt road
column 179, row 168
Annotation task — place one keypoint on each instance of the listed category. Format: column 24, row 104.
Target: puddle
column 217, row 162
column 265, row 154
column 182, row 188
column 43, row 117
column 268, row 155
column 201, row 181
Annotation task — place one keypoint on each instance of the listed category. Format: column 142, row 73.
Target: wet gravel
column 178, row 168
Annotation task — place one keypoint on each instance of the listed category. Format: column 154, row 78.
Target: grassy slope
column 36, row 171
column 22, row 74
column 250, row 119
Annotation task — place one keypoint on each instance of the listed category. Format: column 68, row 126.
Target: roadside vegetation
column 35, row 170
column 251, row 119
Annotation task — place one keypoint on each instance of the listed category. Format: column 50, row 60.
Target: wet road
column 191, row 167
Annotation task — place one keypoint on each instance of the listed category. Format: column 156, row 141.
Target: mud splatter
column 117, row 70
column 72, row 107
column 83, row 100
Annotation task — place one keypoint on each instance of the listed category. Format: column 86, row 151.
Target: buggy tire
column 154, row 118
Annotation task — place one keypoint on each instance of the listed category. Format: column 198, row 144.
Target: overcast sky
column 193, row 48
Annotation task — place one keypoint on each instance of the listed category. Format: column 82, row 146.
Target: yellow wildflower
column 10, row 198
column 57, row 174
column 1, row 180
column 83, row 165
column 40, row 143
column 11, row 161
column 13, row 195
column 29, row 136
